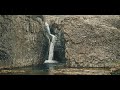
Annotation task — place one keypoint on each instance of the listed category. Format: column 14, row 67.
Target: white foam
column 50, row 61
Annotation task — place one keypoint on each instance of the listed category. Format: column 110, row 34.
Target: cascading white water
column 52, row 44
column 51, row 47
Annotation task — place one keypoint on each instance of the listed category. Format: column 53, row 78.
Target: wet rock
column 59, row 49
column 81, row 71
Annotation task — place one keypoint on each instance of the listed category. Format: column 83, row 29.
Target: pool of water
column 117, row 72
column 43, row 69
column 56, row 69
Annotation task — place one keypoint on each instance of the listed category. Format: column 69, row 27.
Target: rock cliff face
column 82, row 40
column 92, row 41
column 22, row 42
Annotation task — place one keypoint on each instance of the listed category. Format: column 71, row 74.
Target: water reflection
column 43, row 69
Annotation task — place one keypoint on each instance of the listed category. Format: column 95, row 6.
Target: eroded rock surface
column 82, row 40
column 22, row 42
column 92, row 40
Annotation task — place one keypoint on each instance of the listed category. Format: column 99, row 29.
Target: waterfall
column 51, row 50
column 52, row 44
column 47, row 27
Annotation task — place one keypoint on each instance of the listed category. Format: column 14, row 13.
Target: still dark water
column 32, row 70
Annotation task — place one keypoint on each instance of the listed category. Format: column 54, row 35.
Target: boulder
column 92, row 40
column 22, row 41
